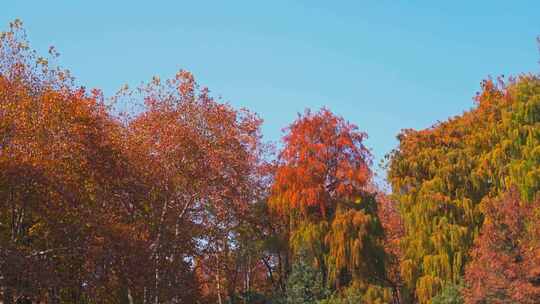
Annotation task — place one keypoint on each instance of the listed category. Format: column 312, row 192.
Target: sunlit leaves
column 441, row 174
column 322, row 185
column 101, row 208
column 324, row 161
column 505, row 257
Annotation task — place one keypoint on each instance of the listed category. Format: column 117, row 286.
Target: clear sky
column 383, row 65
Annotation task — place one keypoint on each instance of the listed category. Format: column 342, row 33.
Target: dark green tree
column 305, row 283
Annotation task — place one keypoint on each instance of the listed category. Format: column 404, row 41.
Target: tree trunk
column 130, row 297
column 125, row 296
column 395, row 295
column 157, row 244
column 53, row 296
column 217, row 280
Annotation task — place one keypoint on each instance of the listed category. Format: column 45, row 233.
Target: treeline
column 179, row 200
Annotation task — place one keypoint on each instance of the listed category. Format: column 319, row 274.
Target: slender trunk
column 8, row 291
column 324, row 271
column 176, row 259
column 284, row 273
column 248, row 278
column 217, row 280
column 270, row 273
column 156, row 280
column 145, row 297
column 156, row 253
column 130, row 297
column 231, row 283
column 125, row 292
column 395, row 295
column 53, row 296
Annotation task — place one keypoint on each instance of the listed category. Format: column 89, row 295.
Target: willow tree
column 441, row 174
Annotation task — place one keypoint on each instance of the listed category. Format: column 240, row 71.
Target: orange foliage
column 324, row 161
column 93, row 207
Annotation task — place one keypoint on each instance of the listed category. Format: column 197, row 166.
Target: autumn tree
column 97, row 207
column 393, row 227
column 321, row 186
column 324, row 163
column 200, row 158
column 441, row 174
column 59, row 164
column 177, row 201
column 505, row 259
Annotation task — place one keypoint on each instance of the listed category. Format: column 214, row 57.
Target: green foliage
column 360, row 293
column 441, row 174
column 308, row 239
column 355, row 243
column 305, row 283
column 450, row 294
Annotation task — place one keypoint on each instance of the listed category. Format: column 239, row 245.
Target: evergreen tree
column 305, row 283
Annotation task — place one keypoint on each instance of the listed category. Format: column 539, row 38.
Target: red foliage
column 506, row 256
column 324, row 161
column 387, row 210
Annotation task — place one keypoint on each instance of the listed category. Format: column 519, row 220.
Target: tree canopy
column 180, row 200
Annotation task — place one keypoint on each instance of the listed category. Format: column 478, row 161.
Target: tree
column 96, row 207
column 505, row 257
column 393, row 227
column 305, row 283
column 441, row 174
column 324, row 163
column 355, row 241
column 200, row 159
column 58, row 187
column 450, row 294
column 322, row 187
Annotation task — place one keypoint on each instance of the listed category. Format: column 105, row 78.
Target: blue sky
column 383, row 65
